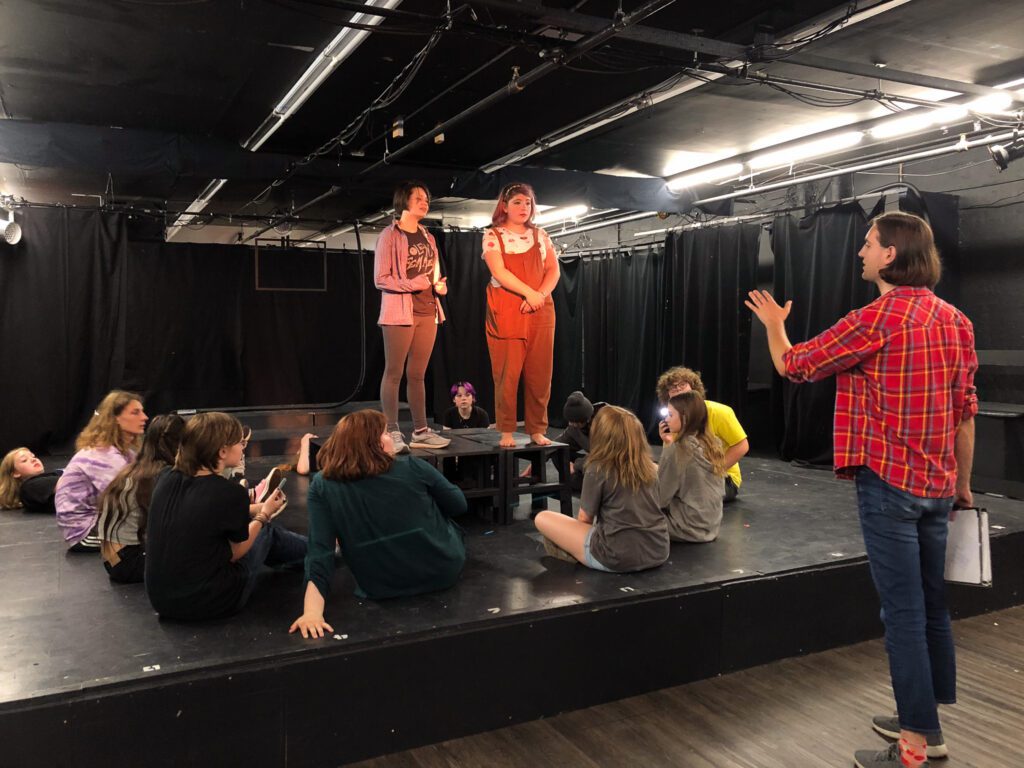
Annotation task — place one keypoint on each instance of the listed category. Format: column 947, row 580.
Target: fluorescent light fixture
column 196, row 206
column 335, row 52
column 717, row 173
column 920, row 120
column 1011, row 84
column 999, row 102
column 817, row 148
column 681, row 161
column 561, row 214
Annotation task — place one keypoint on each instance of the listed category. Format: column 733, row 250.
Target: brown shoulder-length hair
column 500, row 215
column 353, row 451
column 673, row 377
column 619, row 449
column 404, row 190
column 204, row 435
column 693, row 413
column 103, row 431
column 917, row 259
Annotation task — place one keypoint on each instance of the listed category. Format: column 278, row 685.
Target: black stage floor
column 520, row 636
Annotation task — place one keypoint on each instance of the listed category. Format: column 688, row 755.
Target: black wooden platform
column 88, row 674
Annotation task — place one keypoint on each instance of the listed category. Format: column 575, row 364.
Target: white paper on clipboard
column 968, row 553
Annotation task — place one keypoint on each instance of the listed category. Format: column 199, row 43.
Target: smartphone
column 664, row 413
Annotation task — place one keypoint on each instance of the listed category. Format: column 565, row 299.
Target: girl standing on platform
column 407, row 271
column 24, row 483
column 520, row 314
column 108, row 442
column 124, row 503
column 691, row 472
column 620, row 526
column 392, row 517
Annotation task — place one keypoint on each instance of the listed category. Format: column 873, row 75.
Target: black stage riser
column 345, row 706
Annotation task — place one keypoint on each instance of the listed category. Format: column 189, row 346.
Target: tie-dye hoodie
column 78, row 490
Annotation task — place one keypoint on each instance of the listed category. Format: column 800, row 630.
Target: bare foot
column 538, row 438
column 507, row 440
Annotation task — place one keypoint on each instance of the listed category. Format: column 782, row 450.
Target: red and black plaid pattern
column 905, row 368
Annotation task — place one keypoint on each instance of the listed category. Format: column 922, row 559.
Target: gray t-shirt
column 630, row 531
column 690, row 492
column 420, row 261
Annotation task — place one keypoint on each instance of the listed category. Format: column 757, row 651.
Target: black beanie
column 577, row 408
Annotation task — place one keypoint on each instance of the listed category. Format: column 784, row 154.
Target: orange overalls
column 521, row 343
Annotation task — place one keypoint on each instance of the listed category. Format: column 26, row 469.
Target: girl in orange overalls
column 520, row 314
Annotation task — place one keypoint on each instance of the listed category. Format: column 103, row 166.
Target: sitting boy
column 465, row 414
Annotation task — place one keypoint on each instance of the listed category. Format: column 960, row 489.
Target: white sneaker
column 428, row 438
column 399, row 441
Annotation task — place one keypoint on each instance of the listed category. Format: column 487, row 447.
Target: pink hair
column 500, row 215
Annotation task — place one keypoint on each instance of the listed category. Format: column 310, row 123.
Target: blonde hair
column 10, row 486
column 103, row 431
column 693, row 413
column 619, row 449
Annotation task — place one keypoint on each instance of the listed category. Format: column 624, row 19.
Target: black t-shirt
column 478, row 419
column 37, row 492
column 420, row 261
column 189, row 573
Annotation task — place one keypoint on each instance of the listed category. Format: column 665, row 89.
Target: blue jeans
column 274, row 546
column 905, row 537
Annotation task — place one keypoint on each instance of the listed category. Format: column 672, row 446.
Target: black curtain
column 63, row 314
column 816, row 266
column 460, row 352
column 708, row 273
column 85, row 311
column 620, row 301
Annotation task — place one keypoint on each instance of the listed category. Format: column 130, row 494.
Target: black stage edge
column 521, row 636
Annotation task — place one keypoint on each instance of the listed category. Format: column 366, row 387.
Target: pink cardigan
column 389, row 276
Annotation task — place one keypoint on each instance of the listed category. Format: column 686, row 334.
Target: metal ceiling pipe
column 960, row 146
column 605, row 223
column 515, row 86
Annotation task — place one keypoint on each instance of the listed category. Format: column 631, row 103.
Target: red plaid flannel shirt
column 905, row 366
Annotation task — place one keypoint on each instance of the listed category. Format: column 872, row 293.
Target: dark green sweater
column 393, row 529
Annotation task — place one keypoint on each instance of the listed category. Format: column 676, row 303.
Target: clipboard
column 968, row 551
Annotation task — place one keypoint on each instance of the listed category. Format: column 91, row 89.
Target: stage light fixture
column 398, row 128
column 1004, row 154
column 10, row 229
column 716, row 173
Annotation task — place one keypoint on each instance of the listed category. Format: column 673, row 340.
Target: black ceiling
column 191, row 80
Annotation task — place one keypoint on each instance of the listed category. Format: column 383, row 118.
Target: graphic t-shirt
column 420, row 261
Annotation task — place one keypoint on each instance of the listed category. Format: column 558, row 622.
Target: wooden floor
column 796, row 713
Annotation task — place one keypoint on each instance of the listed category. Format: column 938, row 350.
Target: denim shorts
column 588, row 559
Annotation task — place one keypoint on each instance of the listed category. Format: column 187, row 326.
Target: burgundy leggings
column 402, row 343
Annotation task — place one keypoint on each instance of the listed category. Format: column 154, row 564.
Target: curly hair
column 675, row 377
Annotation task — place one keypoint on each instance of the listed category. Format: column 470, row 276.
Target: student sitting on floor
column 124, row 503
column 391, row 515
column 203, row 551
column 465, row 414
column 620, row 526
column 721, row 418
column 690, row 471
column 108, row 442
column 24, row 483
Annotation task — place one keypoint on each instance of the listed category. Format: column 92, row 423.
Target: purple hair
column 466, row 386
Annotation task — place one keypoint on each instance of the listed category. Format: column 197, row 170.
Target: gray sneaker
column 428, row 438
column 889, row 727
column 399, row 441
column 887, row 758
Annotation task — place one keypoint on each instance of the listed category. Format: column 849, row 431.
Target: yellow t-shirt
column 726, row 427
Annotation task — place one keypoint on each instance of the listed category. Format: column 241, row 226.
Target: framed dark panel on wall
column 281, row 266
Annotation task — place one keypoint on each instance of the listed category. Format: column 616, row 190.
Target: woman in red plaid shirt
column 904, row 431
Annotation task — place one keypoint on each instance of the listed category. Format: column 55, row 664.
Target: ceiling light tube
column 560, row 214
column 804, row 151
column 716, row 173
column 333, row 54
column 991, row 104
